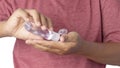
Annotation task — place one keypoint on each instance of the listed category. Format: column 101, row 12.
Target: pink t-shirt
column 94, row 20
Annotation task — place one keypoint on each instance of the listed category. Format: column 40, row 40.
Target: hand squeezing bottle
column 46, row 34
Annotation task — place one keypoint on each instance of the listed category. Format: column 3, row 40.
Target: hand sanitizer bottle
column 46, row 34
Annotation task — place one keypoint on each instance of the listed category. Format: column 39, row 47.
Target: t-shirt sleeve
column 5, row 9
column 111, row 21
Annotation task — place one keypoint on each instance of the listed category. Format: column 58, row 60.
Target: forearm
column 106, row 53
column 3, row 32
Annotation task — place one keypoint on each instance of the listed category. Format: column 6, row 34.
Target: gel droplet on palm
column 46, row 34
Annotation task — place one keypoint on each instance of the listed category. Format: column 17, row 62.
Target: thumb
column 73, row 36
column 63, row 38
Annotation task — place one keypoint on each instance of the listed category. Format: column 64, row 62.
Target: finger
column 34, row 42
column 43, row 48
column 63, row 38
column 36, row 16
column 30, row 41
column 73, row 36
column 47, row 49
column 50, row 26
column 55, row 51
column 44, row 22
column 20, row 13
column 51, row 44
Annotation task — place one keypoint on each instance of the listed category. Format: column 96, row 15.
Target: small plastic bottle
column 46, row 34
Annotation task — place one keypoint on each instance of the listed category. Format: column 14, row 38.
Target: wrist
column 84, row 47
column 4, row 30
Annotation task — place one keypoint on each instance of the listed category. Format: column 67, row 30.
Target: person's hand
column 14, row 26
column 68, row 44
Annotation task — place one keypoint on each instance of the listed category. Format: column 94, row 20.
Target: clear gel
column 46, row 34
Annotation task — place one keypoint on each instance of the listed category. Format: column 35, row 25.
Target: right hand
column 14, row 26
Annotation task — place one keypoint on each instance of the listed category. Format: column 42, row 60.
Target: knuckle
column 66, row 49
column 34, row 11
column 73, row 33
column 62, row 53
column 46, row 50
column 35, row 46
column 18, row 10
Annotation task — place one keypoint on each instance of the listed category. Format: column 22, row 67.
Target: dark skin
column 71, row 43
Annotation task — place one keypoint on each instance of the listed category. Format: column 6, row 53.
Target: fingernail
column 62, row 39
column 27, row 19
column 51, row 29
column 44, row 28
column 38, row 24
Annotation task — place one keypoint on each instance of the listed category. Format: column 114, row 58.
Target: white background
column 6, row 49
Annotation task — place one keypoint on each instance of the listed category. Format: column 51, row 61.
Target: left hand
column 68, row 44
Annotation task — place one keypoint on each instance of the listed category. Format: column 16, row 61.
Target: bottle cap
column 63, row 31
column 54, row 36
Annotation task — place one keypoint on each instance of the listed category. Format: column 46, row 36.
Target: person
column 92, row 41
